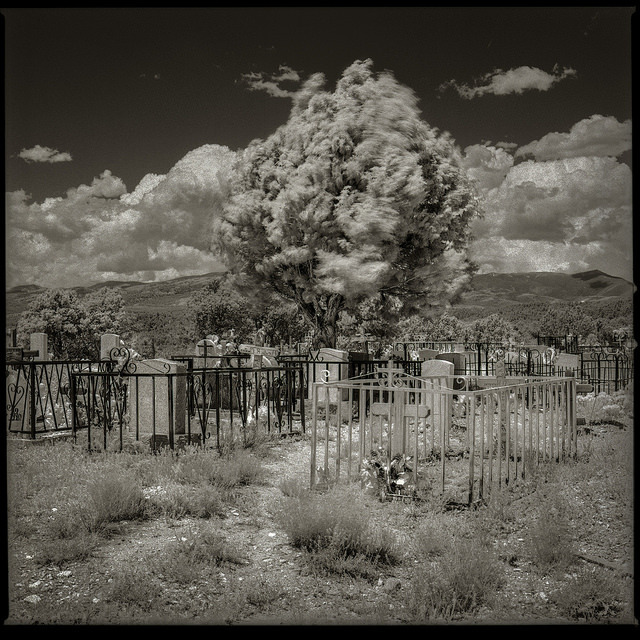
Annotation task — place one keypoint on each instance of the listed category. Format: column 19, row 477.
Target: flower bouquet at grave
column 388, row 478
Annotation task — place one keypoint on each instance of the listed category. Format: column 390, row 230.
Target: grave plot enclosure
column 449, row 435
column 166, row 402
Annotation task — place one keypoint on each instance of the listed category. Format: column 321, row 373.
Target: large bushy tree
column 354, row 197
column 73, row 324
column 219, row 309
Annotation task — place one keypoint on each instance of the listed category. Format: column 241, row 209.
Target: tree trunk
column 327, row 314
column 326, row 336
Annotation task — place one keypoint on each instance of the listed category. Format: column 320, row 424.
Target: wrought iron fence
column 316, row 367
column 607, row 368
column 37, row 395
column 177, row 404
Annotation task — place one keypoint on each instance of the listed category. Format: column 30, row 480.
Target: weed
column 338, row 533
column 179, row 501
column 60, row 551
column 549, row 539
column 593, row 595
column 262, row 593
column 196, row 552
column 114, row 497
column 464, row 576
column 293, row 488
column 135, row 588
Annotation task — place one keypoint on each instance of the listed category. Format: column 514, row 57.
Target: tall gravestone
column 427, row 354
column 336, row 363
column 439, row 375
column 260, row 356
column 149, row 397
column 567, row 362
column 457, row 359
column 38, row 342
column 108, row 342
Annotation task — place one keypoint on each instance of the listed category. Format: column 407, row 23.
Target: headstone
column 427, row 354
column 566, row 361
column 38, row 342
column 439, row 400
column 147, row 407
column 207, row 347
column 14, row 353
column 109, row 341
column 331, row 360
column 261, row 356
column 12, row 338
column 457, row 359
column 437, row 367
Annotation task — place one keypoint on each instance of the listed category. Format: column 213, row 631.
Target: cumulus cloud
column 594, row 136
column 44, row 154
column 271, row 83
column 488, row 165
column 501, row 83
column 564, row 213
column 100, row 232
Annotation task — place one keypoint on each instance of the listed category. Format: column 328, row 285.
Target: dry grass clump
column 338, row 533
column 457, row 572
column 77, row 498
column 594, row 595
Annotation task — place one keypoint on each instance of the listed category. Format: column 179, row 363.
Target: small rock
column 34, row 599
column 392, row 584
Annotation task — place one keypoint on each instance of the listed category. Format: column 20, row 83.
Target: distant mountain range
column 489, row 291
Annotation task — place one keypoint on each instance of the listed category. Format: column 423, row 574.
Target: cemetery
column 483, row 412
column 432, row 439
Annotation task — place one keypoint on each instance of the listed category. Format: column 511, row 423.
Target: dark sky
column 82, row 81
column 131, row 91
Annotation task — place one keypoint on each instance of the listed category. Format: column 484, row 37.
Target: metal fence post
column 32, row 399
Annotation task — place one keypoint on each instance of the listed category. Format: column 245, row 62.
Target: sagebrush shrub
column 594, row 595
column 196, row 551
column 465, row 574
column 549, row 539
column 115, row 497
column 338, row 532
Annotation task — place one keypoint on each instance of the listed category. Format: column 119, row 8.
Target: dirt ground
column 274, row 585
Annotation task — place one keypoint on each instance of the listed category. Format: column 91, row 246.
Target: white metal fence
column 449, row 434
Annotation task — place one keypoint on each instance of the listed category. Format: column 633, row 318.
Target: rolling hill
column 491, row 289
column 489, row 292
